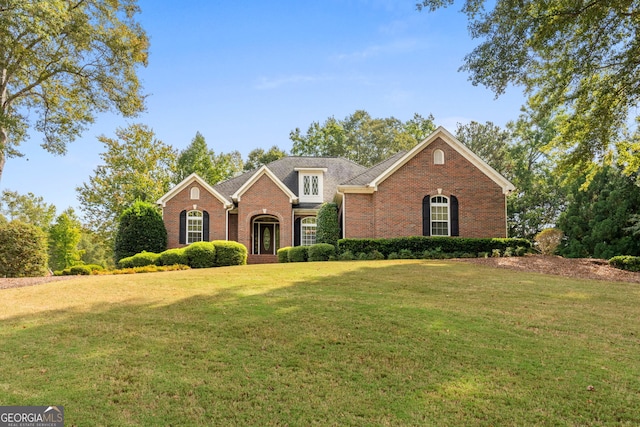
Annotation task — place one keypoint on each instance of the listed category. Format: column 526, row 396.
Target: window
column 308, row 231
column 439, row 216
column 195, row 193
column 438, row 157
column 194, row 227
column 310, row 186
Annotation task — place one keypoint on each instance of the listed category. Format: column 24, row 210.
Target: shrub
column 298, row 254
column 139, row 260
column 626, row 262
column 140, row 229
column 200, row 255
column 23, row 250
column 405, row 254
column 548, row 240
column 495, row 253
column 346, row 256
column 327, row 228
column 283, row 254
column 172, row 257
column 94, row 267
column 79, row 270
column 230, row 253
column 393, row 255
column 376, row 255
column 321, row 252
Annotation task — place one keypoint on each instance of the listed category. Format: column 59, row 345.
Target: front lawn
column 340, row 343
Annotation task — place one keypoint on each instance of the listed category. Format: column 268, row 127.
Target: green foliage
column 27, row 208
column 197, row 158
column 346, row 256
column 572, row 56
column 230, row 253
column 626, row 262
column 79, row 270
column 172, row 257
column 201, row 255
column 259, row 157
column 136, row 166
column 596, row 218
column 548, row 240
column 94, row 250
column 139, row 260
column 298, row 254
column 360, row 138
column 321, row 252
column 63, row 63
column 420, row 244
column 328, row 228
column 489, row 142
column 140, row 229
column 64, row 237
column 283, row 254
column 23, row 251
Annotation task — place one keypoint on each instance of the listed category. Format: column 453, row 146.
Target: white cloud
column 392, row 48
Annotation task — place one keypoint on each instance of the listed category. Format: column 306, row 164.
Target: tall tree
column 27, row 208
column 360, row 138
column 259, row 157
column 489, row 142
column 136, row 166
column 64, row 237
column 62, row 61
column 579, row 56
column 212, row 167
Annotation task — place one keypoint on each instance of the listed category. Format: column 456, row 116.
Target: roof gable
column 371, row 179
column 194, row 177
column 262, row 171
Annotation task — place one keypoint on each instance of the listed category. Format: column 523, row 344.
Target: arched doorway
column 266, row 235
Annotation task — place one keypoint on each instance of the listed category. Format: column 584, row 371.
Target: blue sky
column 244, row 74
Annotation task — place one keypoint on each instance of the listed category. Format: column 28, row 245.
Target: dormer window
column 310, row 184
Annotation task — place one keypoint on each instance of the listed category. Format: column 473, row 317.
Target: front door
column 267, row 239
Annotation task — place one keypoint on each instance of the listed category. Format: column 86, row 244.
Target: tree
column 23, row 252
column 596, row 220
column 27, row 208
column 328, row 228
column 140, row 229
column 136, row 166
column 259, row 157
column 489, row 142
column 63, row 61
column 197, row 158
column 94, row 250
column 580, row 57
column 360, row 138
column 64, row 237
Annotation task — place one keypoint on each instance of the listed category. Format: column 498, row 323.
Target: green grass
column 339, row 343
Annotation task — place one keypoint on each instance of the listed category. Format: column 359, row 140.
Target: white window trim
column 310, row 198
column 194, row 220
column 432, row 221
column 194, row 193
column 303, row 226
column 438, row 157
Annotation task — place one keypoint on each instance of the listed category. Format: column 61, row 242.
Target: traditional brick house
column 438, row 188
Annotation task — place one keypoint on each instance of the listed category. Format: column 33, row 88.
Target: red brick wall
column 182, row 201
column 397, row 205
column 264, row 197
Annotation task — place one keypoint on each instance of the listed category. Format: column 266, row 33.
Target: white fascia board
column 363, row 189
column 453, row 142
column 194, row 177
column 264, row 170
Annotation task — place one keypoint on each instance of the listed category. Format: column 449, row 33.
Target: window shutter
column 455, row 224
column 182, row 239
column 426, row 216
column 205, row 226
column 296, row 232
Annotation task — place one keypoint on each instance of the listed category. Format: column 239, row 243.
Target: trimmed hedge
column 298, row 254
column 420, row 244
column 201, row 255
column 230, row 253
column 139, row 260
column 626, row 262
column 283, row 254
column 321, row 252
column 172, row 257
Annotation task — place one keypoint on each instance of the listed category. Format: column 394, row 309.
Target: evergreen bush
column 230, row 253
column 321, row 252
column 327, row 228
column 298, row 254
column 626, row 262
column 201, row 255
column 140, row 229
column 283, row 254
column 23, row 250
column 172, row 257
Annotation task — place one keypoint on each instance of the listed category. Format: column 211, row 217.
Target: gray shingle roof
column 373, row 172
column 338, row 171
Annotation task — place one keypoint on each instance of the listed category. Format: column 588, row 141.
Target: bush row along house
column 438, row 188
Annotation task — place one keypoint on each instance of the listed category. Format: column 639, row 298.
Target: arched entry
column 266, row 235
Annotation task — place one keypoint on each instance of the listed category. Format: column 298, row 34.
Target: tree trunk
column 3, row 131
